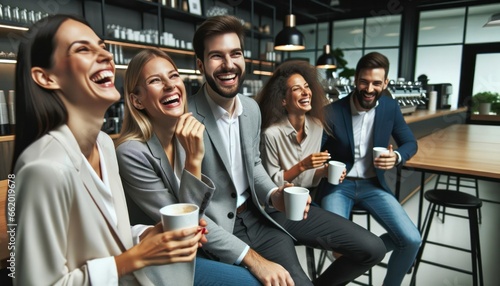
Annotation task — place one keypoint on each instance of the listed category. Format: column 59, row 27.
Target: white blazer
column 62, row 223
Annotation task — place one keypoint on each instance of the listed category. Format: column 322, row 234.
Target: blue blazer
column 389, row 122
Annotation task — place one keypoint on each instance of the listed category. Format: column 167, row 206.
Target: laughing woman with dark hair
column 71, row 215
column 292, row 104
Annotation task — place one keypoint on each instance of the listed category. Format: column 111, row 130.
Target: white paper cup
column 377, row 151
column 295, row 202
column 335, row 170
column 178, row 216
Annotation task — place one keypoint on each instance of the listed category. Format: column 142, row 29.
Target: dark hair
column 38, row 110
column 274, row 91
column 373, row 60
column 215, row 26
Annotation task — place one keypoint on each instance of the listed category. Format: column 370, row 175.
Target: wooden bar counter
column 423, row 123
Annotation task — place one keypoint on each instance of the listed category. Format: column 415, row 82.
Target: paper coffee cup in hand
column 295, row 202
column 335, row 170
column 377, row 151
column 178, row 216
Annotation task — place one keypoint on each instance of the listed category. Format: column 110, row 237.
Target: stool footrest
column 359, row 283
column 446, row 266
column 449, row 246
column 452, row 214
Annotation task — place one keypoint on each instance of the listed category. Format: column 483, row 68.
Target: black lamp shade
column 290, row 38
column 326, row 60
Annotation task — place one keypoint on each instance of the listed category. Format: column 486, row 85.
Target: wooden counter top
column 480, row 117
column 462, row 150
column 420, row 115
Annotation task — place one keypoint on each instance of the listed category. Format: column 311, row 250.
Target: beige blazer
column 62, row 223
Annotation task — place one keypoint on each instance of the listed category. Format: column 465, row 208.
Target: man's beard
column 365, row 105
column 226, row 92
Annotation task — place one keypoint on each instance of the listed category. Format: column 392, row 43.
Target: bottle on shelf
column 4, row 116
column 11, row 99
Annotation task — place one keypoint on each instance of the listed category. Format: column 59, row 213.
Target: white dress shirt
column 362, row 128
column 229, row 128
column 103, row 269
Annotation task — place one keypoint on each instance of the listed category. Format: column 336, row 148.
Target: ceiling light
column 493, row 21
column 326, row 60
column 290, row 38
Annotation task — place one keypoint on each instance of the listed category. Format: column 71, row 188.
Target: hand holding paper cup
column 335, row 170
column 178, row 216
column 377, row 151
column 295, row 202
column 173, row 217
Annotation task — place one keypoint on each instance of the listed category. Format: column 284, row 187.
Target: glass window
column 477, row 17
column 441, row 27
column 309, row 32
column 486, row 75
column 348, row 34
column 383, row 31
column 441, row 64
column 352, row 57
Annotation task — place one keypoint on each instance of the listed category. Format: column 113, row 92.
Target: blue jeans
column 212, row 273
column 402, row 236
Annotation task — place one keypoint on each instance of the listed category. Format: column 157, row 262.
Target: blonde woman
column 160, row 151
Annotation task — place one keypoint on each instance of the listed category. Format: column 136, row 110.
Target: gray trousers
column 360, row 249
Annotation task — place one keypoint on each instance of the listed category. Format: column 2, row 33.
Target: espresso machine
column 410, row 95
column 443, row 90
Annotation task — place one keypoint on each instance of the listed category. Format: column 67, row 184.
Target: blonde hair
column 136, row 123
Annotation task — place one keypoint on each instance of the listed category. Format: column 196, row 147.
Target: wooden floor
column 454, row 231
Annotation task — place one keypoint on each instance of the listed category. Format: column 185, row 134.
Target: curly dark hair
column 274, row 91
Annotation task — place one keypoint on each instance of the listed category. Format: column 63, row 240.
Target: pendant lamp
column 326, row 60
column 493, row 21
column 290, row 38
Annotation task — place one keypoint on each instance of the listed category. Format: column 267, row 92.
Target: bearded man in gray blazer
column 247, row 224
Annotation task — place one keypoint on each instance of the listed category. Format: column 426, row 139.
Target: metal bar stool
column 457, row 200
column 455, row 183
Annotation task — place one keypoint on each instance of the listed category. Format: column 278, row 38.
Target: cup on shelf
column 7, row 13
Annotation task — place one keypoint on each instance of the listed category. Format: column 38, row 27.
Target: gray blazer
column 222, row 244
column 150, row 184
column 62, row 222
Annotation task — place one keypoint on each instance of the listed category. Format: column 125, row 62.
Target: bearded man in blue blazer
column 363, row 120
